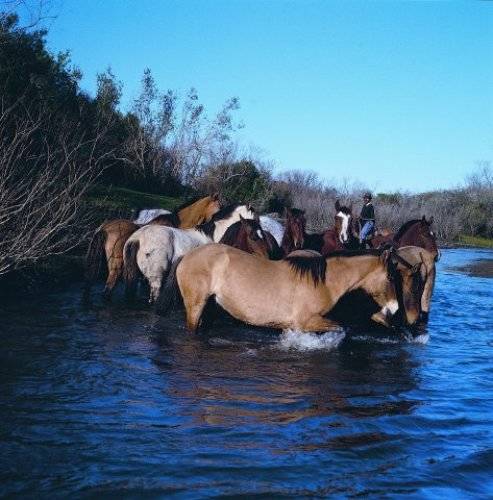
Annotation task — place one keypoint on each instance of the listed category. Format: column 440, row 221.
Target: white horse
column 274, row 227
column 153, row 249
column 147, row 214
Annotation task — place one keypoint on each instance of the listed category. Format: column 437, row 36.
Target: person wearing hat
column 367, row 218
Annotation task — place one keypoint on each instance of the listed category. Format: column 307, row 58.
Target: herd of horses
column 265, row 273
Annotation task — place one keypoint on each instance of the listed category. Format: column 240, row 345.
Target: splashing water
column 419, row 339
column 371, row 339
column 308, row 341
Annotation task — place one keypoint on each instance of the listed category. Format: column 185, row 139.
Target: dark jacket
column 368, row 212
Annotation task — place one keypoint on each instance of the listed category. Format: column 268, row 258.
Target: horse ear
column 337, row 206
column 430, row 222
column 423, row 219
column 215, row 196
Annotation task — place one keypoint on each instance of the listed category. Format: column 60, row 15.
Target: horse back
column 170, row 220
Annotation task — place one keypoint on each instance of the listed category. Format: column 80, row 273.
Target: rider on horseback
column 367, row 218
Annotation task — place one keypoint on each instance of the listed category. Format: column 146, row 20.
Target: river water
column 106, row 400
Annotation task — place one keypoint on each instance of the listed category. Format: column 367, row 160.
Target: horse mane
column 309, row 266
column 404, row 228
column 208, row 227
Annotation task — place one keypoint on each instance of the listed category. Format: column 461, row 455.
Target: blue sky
column 396, row 94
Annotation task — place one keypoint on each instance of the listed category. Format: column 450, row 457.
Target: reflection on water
column 107, row 400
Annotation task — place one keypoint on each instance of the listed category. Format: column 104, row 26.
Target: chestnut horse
column 340, row 237
column 109, row 239
column 191, row 213
column 296, row 292
column 416, row 232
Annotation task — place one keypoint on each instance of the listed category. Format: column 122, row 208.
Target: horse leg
column 318, row 323
column 195, row 303
column 155, row 288
column 115, row 268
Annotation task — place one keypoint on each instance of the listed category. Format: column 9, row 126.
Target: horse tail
column 131, row 271
column 170, row 292
column 95, row 257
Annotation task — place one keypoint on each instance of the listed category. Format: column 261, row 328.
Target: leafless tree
column 42, row 184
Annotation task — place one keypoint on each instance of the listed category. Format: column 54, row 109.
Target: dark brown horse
column 339, row 237
column 416, row 232
column 248, row 235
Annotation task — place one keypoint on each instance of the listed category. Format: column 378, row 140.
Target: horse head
column 212, row 206
column 427, row 238
column 253, row 237
column 407, row 280
column 296, row 226
column 418, row 232
column 343, row 222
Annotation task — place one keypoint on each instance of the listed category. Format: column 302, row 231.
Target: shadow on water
column 107, row 399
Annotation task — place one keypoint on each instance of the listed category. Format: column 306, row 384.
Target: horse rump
column 169, row 295
column 131, row 271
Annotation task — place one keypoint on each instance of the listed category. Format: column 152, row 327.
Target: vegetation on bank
column 475, row 241
column 69, row 160
column 107, row 198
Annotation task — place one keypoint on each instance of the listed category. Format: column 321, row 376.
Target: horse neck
column 193, row 215
column 198, row 235
column 242, row 241
column 409, row 237
column 345, row 274
column 221, row 226
column 287, row 243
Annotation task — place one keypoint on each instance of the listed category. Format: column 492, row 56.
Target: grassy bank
column 475, row 241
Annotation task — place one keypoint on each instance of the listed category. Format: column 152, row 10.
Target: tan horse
column 296, row 292
column 109, row 239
